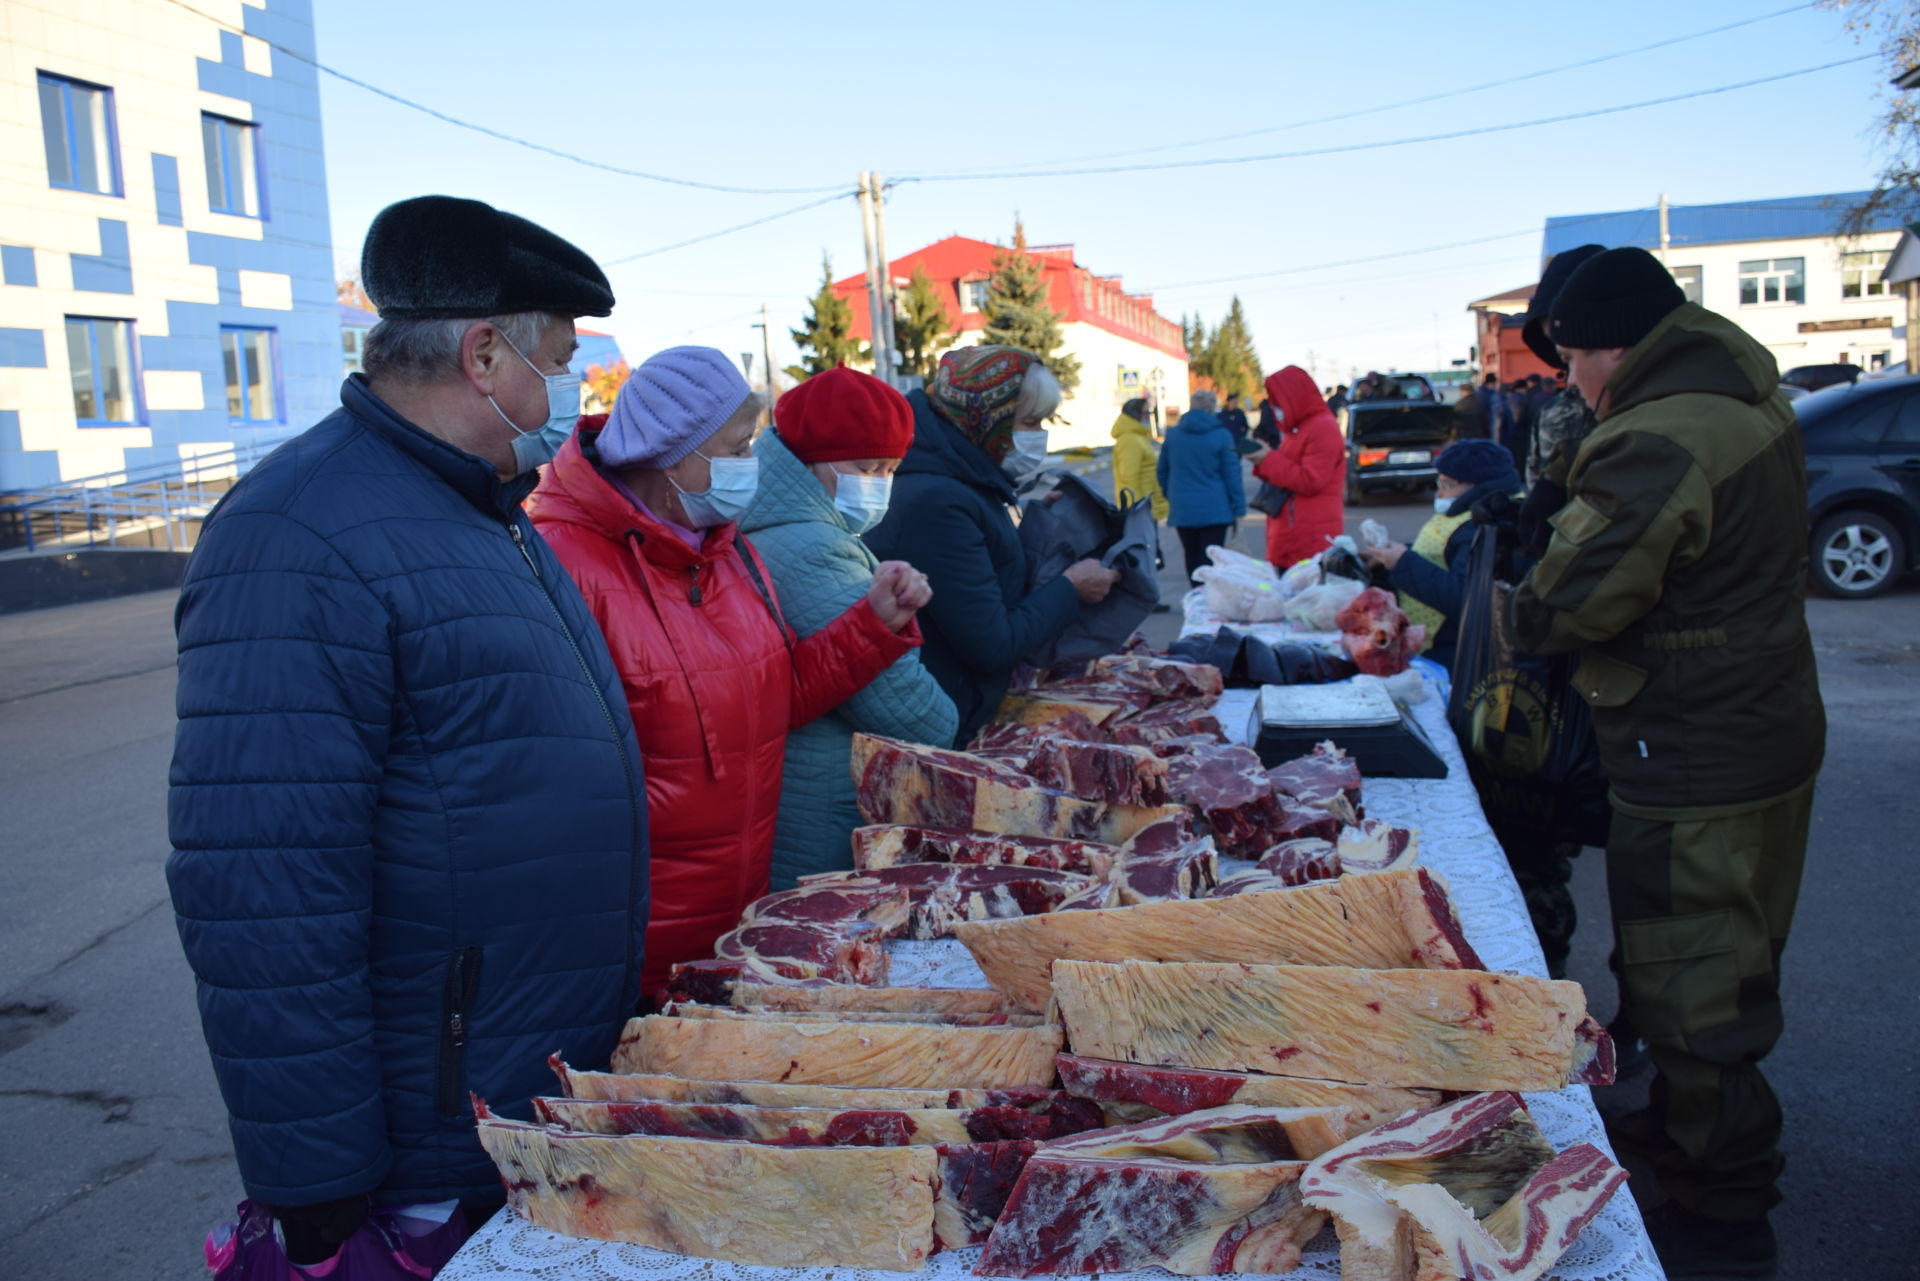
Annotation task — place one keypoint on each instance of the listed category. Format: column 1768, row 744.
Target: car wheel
column 1856, row 555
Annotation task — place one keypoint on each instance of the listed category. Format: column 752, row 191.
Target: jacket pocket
column 1578, row 522
column 1605, row 681
column 462, row 985
column 1682, row 972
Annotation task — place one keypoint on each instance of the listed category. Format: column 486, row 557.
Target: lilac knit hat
column 670, row 406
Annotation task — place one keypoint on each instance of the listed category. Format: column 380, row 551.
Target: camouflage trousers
column 1701, row 910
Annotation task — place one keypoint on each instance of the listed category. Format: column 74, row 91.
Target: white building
column 1779, row 268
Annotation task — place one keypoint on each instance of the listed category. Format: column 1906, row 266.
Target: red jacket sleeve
column 1308, row 461
column 840, row 659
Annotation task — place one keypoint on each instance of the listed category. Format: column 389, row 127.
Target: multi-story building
column 1125, row 347
column 166, row 258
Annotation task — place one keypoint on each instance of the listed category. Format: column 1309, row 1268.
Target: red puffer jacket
column 713, row 687
column 1312, row 462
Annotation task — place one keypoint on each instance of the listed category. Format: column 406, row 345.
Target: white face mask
column 1029, row 452
column 536, row 446
column 861, row 499
column 729, row 492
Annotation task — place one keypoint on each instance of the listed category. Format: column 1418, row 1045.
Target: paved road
column 117, row 1159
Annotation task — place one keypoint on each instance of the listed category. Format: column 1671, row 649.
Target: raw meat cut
column 1132, row 695
column 1214, row 1191
column 1170, row 677
column 1176, row 719
column 711, row 980
column 1295, row 862
column 811, row 1127
column 892, row 845
column 1300, row 822
column 993, row 1018
column 1229, row 787
column 972, row 1182
column 1388, row 921
column 816, row 995
column 1168, row 835
column 1314, row 779
column 908, row 1055
column 851, row 952
column 945, row 894
column 1189, row 872
column 833, row 906
column 1469, row 1190
column 1110, row 772
column 743, row 1202
column 1096, row 897
column 1037, row 707
column 1375, row 846
column 1180, row 744
column 1253, row 881
column 1179, row 1090
column 1419, row 1029
column 644, row 1086
column 1002, row 738
column 1376, row 635
column 899, row 782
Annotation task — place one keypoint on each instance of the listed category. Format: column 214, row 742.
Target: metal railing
column 159, row 505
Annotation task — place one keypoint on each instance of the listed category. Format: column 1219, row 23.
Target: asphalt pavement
column 118, row 1161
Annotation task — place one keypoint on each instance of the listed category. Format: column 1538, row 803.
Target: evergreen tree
column 921, row 327
column 1233, row 363
column 1200, row 352
column 825, row 338
column 1017, row 313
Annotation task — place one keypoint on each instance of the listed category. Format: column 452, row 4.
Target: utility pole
column 766, row 354
column 881, row 338
column 886, row 274
column 1664, row 238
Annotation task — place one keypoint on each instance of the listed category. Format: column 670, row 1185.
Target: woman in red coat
column 1310, row 461
column 640, row 506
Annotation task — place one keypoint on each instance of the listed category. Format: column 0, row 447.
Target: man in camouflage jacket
column 1677, row 571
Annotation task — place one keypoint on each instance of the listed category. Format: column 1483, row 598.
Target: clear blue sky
column 781, row 95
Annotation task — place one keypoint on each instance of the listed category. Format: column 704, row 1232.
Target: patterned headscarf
column 977, row 388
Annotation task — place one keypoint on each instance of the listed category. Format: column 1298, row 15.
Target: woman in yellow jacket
column 1134, row 457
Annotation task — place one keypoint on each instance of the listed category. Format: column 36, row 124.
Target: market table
column 1454, row 841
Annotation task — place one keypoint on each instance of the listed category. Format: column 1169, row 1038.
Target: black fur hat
column 441, row 257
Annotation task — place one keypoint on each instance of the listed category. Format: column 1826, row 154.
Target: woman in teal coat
column 826, row 470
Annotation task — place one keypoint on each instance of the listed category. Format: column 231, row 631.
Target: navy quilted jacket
column 407, row 812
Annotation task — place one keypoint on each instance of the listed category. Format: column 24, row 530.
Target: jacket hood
column 1199, row 420
column 941, row 449
column 1696, row 351
column 1127, row 426
column 573, row 491
column 789, row 493
column 1296, row 394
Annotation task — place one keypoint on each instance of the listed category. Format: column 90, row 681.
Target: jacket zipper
column 613, row 727
column 463, row 984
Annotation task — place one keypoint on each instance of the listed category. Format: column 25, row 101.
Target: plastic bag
column 1373, row 533
column 1302, row 576
column 1316, row 608
column 1239, row 588
column 406, row 1243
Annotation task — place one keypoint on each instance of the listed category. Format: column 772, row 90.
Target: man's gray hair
column 1205, row 401
column 426, row 351
column 1040, row 395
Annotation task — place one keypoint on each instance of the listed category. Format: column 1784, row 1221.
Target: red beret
column 843, row 414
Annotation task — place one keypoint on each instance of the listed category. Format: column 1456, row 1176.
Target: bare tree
column 1893, row 26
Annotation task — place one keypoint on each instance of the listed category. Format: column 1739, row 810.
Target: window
column 1688, row 278
column 233, row 166
column 352, row 345
column 252, row 380
column 100, row 354
column 973, row 295
column 1860, row 274
column 76, row 122
column 1773, row 280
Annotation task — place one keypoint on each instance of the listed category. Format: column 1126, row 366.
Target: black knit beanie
column 1559, row 269
column 1613, row 299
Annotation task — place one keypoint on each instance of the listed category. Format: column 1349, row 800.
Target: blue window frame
column 76, row 123
column 105, row 380
column 253, row 374
column 233, row 166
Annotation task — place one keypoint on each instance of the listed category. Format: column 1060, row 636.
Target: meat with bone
column 817, row 995
column 1189, row 871
column 1295, row 862
column 1176, row 719
column 1210, row 1192
column 906, row 1055
column 1095, row 898
column 1301, row 822
column 1418, row 1029
column 832, row 906
column 1252, row 881
column 711, row 980
column 1133, row 695
column 810, row 1127
column 944, row 894
column 1230, row 789
column 1376, row 634
column 652, row 1086
column 1375, row 846
column 1178, row 1090
column 849, row 952
column 1110, row 772
column 1180, row 744
column 1169, row 677
column 1162, row 836
column 1037, row 707
column 1325, row 778
column 890, row 845
column 1393, row 920
column 744, row 1202
column 898, row 782
column 1469, row 1190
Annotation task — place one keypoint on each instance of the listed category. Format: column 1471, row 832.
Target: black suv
column 1815, row 377
column 1392, row 440
column 1863, row 484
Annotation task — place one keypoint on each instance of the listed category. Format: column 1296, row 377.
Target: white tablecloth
column 1454, row 840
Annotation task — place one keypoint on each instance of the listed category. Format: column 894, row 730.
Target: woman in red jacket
column 640, row 506
column 1311, row 462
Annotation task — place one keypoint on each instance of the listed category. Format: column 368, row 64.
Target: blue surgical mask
column 729, row 492
column 1442, row 506
column 536, row 446
column 862, row 499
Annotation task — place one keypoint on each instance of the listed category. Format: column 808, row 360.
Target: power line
column 728, row 231
column 1376, row 146
column 458, row 123
column 1431, row 97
